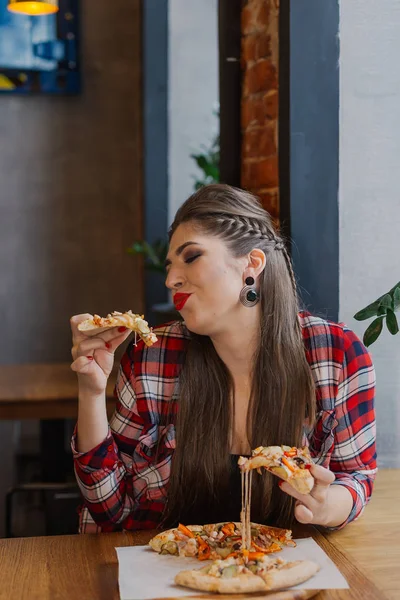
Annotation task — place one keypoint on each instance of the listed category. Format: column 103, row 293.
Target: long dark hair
column 282, row 394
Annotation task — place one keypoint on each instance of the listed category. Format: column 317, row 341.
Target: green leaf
column 373, row 331
column 369, row 311
column 150, row 253
column 154, row 254
column 372, row 309
column 386, row 302
column 396, row 298
column 207, row 160
column 200, row 159
column 391, row 322
column 136, row 248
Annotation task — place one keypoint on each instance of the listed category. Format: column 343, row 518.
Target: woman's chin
column 196, row 326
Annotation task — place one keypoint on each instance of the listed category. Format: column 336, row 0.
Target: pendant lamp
column 34, row 8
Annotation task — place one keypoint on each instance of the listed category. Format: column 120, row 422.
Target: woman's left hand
column 313, row 508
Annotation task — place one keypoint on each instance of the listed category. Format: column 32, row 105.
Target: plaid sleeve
column 353, row 459
column 104, row 474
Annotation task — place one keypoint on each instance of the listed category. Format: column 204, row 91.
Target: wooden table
column 42, row 391
column 367, row 553
column 373, row 542
column 48, row 392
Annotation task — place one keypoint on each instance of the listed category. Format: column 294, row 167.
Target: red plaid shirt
column 123, row 483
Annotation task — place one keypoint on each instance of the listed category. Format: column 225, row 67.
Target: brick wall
column 260, row 63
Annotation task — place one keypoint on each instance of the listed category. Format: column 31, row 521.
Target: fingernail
column 108, row 345
column 307, row 467
column 89, row 357
column 121, row 329
column 280, row 483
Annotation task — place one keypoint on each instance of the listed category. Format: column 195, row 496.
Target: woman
column 245, row 369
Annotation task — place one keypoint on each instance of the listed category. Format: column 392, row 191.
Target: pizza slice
column 118, row 319
column 289, row 463
column 247, row 572
column 219, row 540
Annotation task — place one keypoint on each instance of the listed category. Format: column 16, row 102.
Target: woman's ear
column 256, row 263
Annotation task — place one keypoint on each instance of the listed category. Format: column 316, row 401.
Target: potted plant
column 383, row 309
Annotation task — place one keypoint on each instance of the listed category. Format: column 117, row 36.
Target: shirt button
column 110, row 448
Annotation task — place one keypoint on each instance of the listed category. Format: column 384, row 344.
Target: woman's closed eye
column 191, row 259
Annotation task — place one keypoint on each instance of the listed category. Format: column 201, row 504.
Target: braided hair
column 246, row 220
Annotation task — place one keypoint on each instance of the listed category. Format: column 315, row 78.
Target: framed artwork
column 40, row 54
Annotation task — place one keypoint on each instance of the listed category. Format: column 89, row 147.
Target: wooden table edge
column 45, row 409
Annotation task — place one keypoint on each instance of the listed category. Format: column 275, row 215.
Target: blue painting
column 40, row 54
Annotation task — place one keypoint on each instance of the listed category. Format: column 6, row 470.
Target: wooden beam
column 230, row 89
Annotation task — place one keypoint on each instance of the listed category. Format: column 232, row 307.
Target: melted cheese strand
column 242, row 513
column 245, row 514
column 248, row 532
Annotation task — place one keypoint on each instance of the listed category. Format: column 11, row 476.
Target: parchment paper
column 144, row 574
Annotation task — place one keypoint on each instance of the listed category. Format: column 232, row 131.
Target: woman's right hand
column 93, row 354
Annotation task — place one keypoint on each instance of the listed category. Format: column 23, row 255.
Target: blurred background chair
column 45, row 496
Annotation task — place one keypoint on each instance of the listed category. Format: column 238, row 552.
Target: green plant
column 155, row 254
column 383, row 308
column 208, row 161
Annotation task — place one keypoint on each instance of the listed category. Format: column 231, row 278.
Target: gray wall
column 192, row 90
column 369, row 188
column 71, row 199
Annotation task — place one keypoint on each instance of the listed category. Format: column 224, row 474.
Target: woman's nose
column 174, row 280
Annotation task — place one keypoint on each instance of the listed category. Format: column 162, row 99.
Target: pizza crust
column 157, row 542
column 290, row 574
column 242, row 583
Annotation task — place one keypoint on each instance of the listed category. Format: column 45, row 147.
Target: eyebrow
column 179, row 251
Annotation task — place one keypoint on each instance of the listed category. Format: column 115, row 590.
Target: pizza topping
column 204, row 549
column 230, row 571
column 255, row 556
column 188, row 548
column 185, row 530
column 300, row 462
column 291, row 453
column 223, row 552
column 205, row 569
column 228, row 529
column 242, row 562
column 210, row 530
column 230, row 567
column 169, row 548
column 287, row 464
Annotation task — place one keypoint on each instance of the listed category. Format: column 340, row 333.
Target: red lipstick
column 180, row 300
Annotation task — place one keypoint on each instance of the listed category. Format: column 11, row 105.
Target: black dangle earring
column 248, row 294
